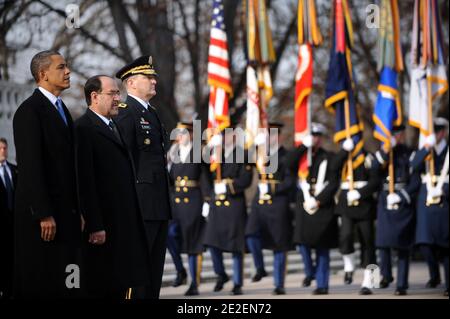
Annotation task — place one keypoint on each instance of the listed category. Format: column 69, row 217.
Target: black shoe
column 365, row 291
column 279, row 291
column 400, row 292
column 384, row 283
column 237, row 290
column 348, row 277
column 192, row 291
column 446, row 293
column 433, row 283
column 181, row 279
column 259, row 275
column 307, row 281
column 220, row 282
column 320, row 291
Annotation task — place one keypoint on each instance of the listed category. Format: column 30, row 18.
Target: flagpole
column 391, row 172
column 308, row 110
column 431, row 129
column 347, row 131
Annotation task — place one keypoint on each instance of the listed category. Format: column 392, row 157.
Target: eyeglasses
column 115, row 93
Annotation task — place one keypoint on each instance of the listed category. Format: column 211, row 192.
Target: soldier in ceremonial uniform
column 270, row 222
column 225, row 230
column 356, row 207
column 432, row 203
column 187, row 201
column 146, row 137
column 396, row 212
column 315, row 222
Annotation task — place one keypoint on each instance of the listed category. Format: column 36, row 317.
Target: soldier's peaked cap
column 142, row 65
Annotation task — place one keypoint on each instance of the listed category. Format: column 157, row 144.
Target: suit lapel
column 102, row 128
column 53, row 114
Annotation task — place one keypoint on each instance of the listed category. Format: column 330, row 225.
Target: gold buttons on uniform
column 147, row 141
column 177, row 200
column 185, row 189
column 269, row 202
column 226, row 203
column 182, row 182
column 261, row 202
column 271, row 176
column 218, row 203
column 177, row 189
column 222, row 197
column 186, row 200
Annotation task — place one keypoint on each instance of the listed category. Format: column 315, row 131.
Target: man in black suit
column 47, row 218
column 116, row 252
column 146, row 137
column 8, row 178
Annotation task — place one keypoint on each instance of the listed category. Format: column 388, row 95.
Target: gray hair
column 41, row 61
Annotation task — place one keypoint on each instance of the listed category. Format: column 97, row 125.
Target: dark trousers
column 279, row 268
column 255, row 246
column 402, row 266
column 321, row 270
column 195, row 268
column 365, row 231
column 157, row 242
column 431, row 254
column 174, row 245
column 219, row 268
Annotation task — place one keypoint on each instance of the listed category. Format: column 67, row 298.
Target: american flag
column 219, row 78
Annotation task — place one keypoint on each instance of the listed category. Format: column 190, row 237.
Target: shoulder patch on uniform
column 123, row 105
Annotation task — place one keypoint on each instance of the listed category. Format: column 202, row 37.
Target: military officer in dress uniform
column 395, row 211
column 356, row 207
column 189, row 181
column 270, row 222
column 225, row 230
column 432, row 203
column 146, row 137
column 315, row 222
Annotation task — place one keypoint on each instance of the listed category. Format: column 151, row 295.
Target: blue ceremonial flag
column 388, row 110
column 339, row 86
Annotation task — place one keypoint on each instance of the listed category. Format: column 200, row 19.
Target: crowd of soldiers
column 210, row 212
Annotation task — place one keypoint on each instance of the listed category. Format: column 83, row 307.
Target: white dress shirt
column 103, row 118
column 49, row 96
column 8, row 171
column 144, row 104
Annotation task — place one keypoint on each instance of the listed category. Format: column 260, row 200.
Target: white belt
column 425, row 178
column 356, row 185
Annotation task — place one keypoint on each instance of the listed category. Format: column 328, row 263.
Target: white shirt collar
column 144, row 104
column 52, row 98
column 103, row 118
column 439, row 148
column 184, row 152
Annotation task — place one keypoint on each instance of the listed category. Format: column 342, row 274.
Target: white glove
column 348, row 145
column 220, row 188
column 310, row 205
column 205, row 209
column 308, row 141
column 353, row 196
column 393, row 199
column 263, row 188
column 435, row 192
column 393, row 142
column 430, row 140
column 260, row 139
column 216, row 140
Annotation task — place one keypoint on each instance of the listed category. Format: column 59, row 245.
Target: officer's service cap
column 440, row 123
column 318, row 129
column 142, row 65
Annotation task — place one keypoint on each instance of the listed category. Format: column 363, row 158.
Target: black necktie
column 9, row 187
column 115, row 131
